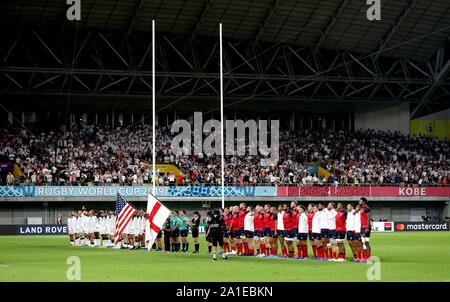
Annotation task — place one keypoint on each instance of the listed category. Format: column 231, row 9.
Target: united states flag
column 124, row 213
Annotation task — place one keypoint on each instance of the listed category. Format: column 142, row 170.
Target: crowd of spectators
column 98, row 155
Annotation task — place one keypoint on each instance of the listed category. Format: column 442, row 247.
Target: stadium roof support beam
column 133, row 18
column 387, row 38
column 12, row 46
column 324, row 32
column 46, row 47
column 179, row 53
column 439, row 74
column 278, row 71
column 273, row 8
column 114, row 50
column 200, row 19
column 439, row 78
column 213, row 76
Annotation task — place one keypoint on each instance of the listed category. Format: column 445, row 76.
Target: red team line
column 264, row 228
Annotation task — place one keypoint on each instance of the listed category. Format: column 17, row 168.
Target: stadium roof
column 302, row 54
column 412, row 29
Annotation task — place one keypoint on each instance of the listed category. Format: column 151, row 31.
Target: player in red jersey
column 259, row 229
column 273, row 231
column 242, row 213
column 266, row 249
column 227, row 236
column 235, row 234
column 288, row 230
column 340, row 230
column 295, row 217
column 310, row 236
column 365, row 228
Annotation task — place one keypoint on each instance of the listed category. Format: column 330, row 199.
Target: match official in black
column 195, row 223
column 216, row 228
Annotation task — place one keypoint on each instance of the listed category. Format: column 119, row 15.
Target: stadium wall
column 394, row 118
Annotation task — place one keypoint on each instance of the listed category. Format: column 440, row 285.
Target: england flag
column 156, row 215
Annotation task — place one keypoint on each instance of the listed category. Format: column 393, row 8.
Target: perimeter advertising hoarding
column 386, row 226
column 41, row 229
column 421, row 226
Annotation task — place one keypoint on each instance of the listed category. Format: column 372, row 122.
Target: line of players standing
column 264, row 228
column 97, row 229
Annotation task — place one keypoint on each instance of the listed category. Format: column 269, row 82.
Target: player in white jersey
column 138, row 230
column 132, row 232
column 302, row 236
column 331, row 222
column 324, row 231
column 70, row 227
column 280, row 227
column 350, row 226
column 93, row 225
column 316, row 232
column 102, row 227
column 141, row 223
column 111, row 224
column 75, row 226
column 85, row 227
column 249, row 229
column 357, row 237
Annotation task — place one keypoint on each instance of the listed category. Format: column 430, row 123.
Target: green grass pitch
column 412, row 256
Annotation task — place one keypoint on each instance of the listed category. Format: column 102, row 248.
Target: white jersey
column 77, row 224
column 93, row 224
column 248, row 223
column 323, row 218
column 85, row 224
column 303, row 224
column 316, row 222
column 70, row 224
column 111, row 224
column 280, row 223
column 350, row 223
column 102, row 225
column 332, row 219
column 141, row 224
column 357, row 223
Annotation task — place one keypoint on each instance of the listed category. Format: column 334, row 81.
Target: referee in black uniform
column 195, row 223
column 216, row 228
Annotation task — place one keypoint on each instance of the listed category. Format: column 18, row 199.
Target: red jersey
column 287, row 221
column 341, row 218
column 242, row 214
column 228, row 218
column 258, row 221
column 310, row 219
column 295, row 218
column 273, row 221
column 267, row 219
column 364, row 212
column 235, row 221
